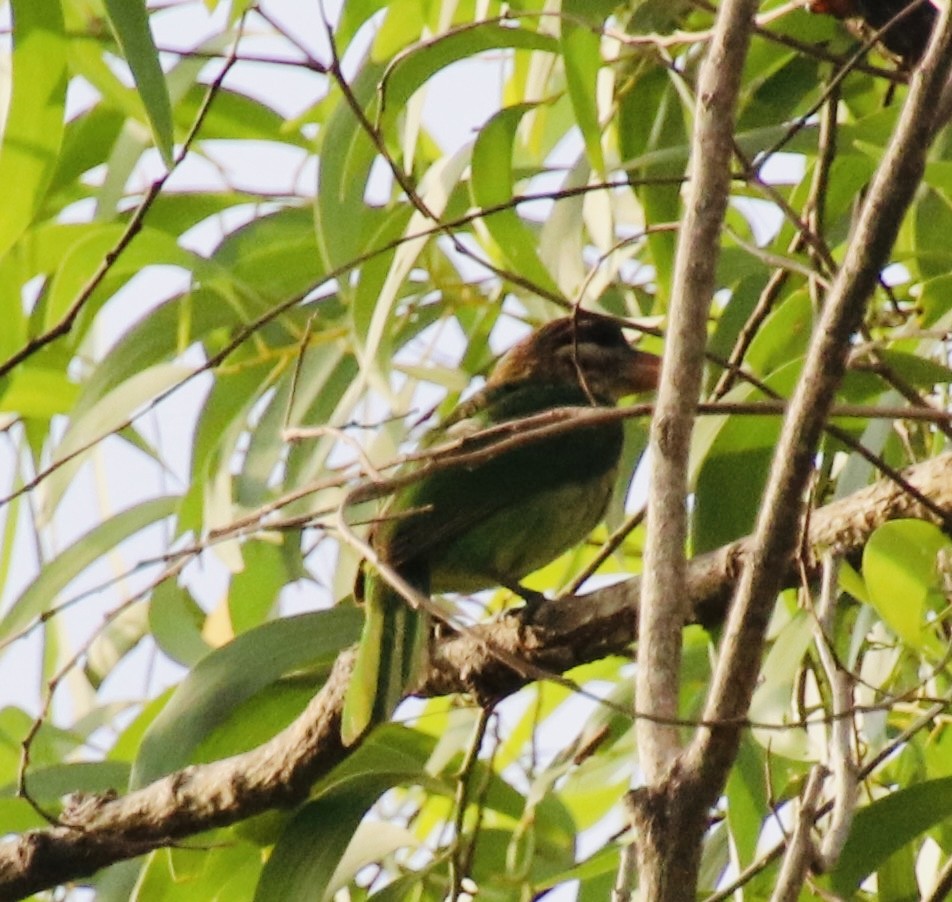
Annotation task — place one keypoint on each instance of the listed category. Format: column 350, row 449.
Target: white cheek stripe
column 586, row 352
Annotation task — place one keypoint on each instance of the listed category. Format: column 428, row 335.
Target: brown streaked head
column 586, row 349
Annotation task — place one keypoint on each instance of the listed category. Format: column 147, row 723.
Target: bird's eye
column 607, row 335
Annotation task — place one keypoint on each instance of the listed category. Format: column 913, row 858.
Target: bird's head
column 586, row 349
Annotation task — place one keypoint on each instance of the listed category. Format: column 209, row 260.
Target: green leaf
column 48, row 785
column 176, row 620
column 87, row 141
column 352, row 16
column 746, row 794
column 933, row 220
column 233, row 673
column 176, row 213
column 224, row 418
column 223, row 868
column 729, row 486
column 852, row 582
column 342, row 219
column 921, row 371
column 312, row 845
column 779, row 82
column 86, row 255
column 257, row 719
column 159, row 336
column 41, row 595
column 597, row 872
column 884, row 827
column 254, row 590
column 493, row 185
column 235, row 117
column 582, row 56
column 130, row 21
column 393, row 752
column 318, row 402
column 111, row 644
column 379, row 287
column 899, row 567
column 325, row 844
column 383, row 281
column 51, row 745
column 849, row 174
column 734, row 454
column 781, row 670
column 34, row 126
column 104, row 418
column 896, row 877
column 273, row 257
column 402, row 25
column 36, row 392
column 411, row 70
column 651, row 122
column 322, row 377
column 783, row 336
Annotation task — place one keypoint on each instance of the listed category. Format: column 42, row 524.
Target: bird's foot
column 533, row 600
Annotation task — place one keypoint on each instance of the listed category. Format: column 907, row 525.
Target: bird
column 900, row 28
column 491, row 523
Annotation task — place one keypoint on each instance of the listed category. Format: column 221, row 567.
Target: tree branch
column 99, row 831
column 891, row 190
column 663, row 598
column 666, row 836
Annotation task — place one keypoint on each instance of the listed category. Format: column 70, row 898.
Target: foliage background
column 190, row 269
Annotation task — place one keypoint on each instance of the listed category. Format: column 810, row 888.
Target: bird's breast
column 494, row 521
column 517, row 540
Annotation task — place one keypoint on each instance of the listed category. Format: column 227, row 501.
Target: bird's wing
column 447, row 504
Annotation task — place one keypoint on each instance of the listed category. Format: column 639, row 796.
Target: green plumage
column 468, row 528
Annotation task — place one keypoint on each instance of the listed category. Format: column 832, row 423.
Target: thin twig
column 133, row 227
column 461, row 857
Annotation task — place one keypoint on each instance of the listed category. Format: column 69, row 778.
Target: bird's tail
column 391, row 655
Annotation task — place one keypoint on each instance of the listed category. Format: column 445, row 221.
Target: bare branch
column 672, row 833
column 797, row 861
column 663, row 596
column 840, row 753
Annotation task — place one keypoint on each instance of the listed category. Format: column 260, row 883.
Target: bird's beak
column 644, row 371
